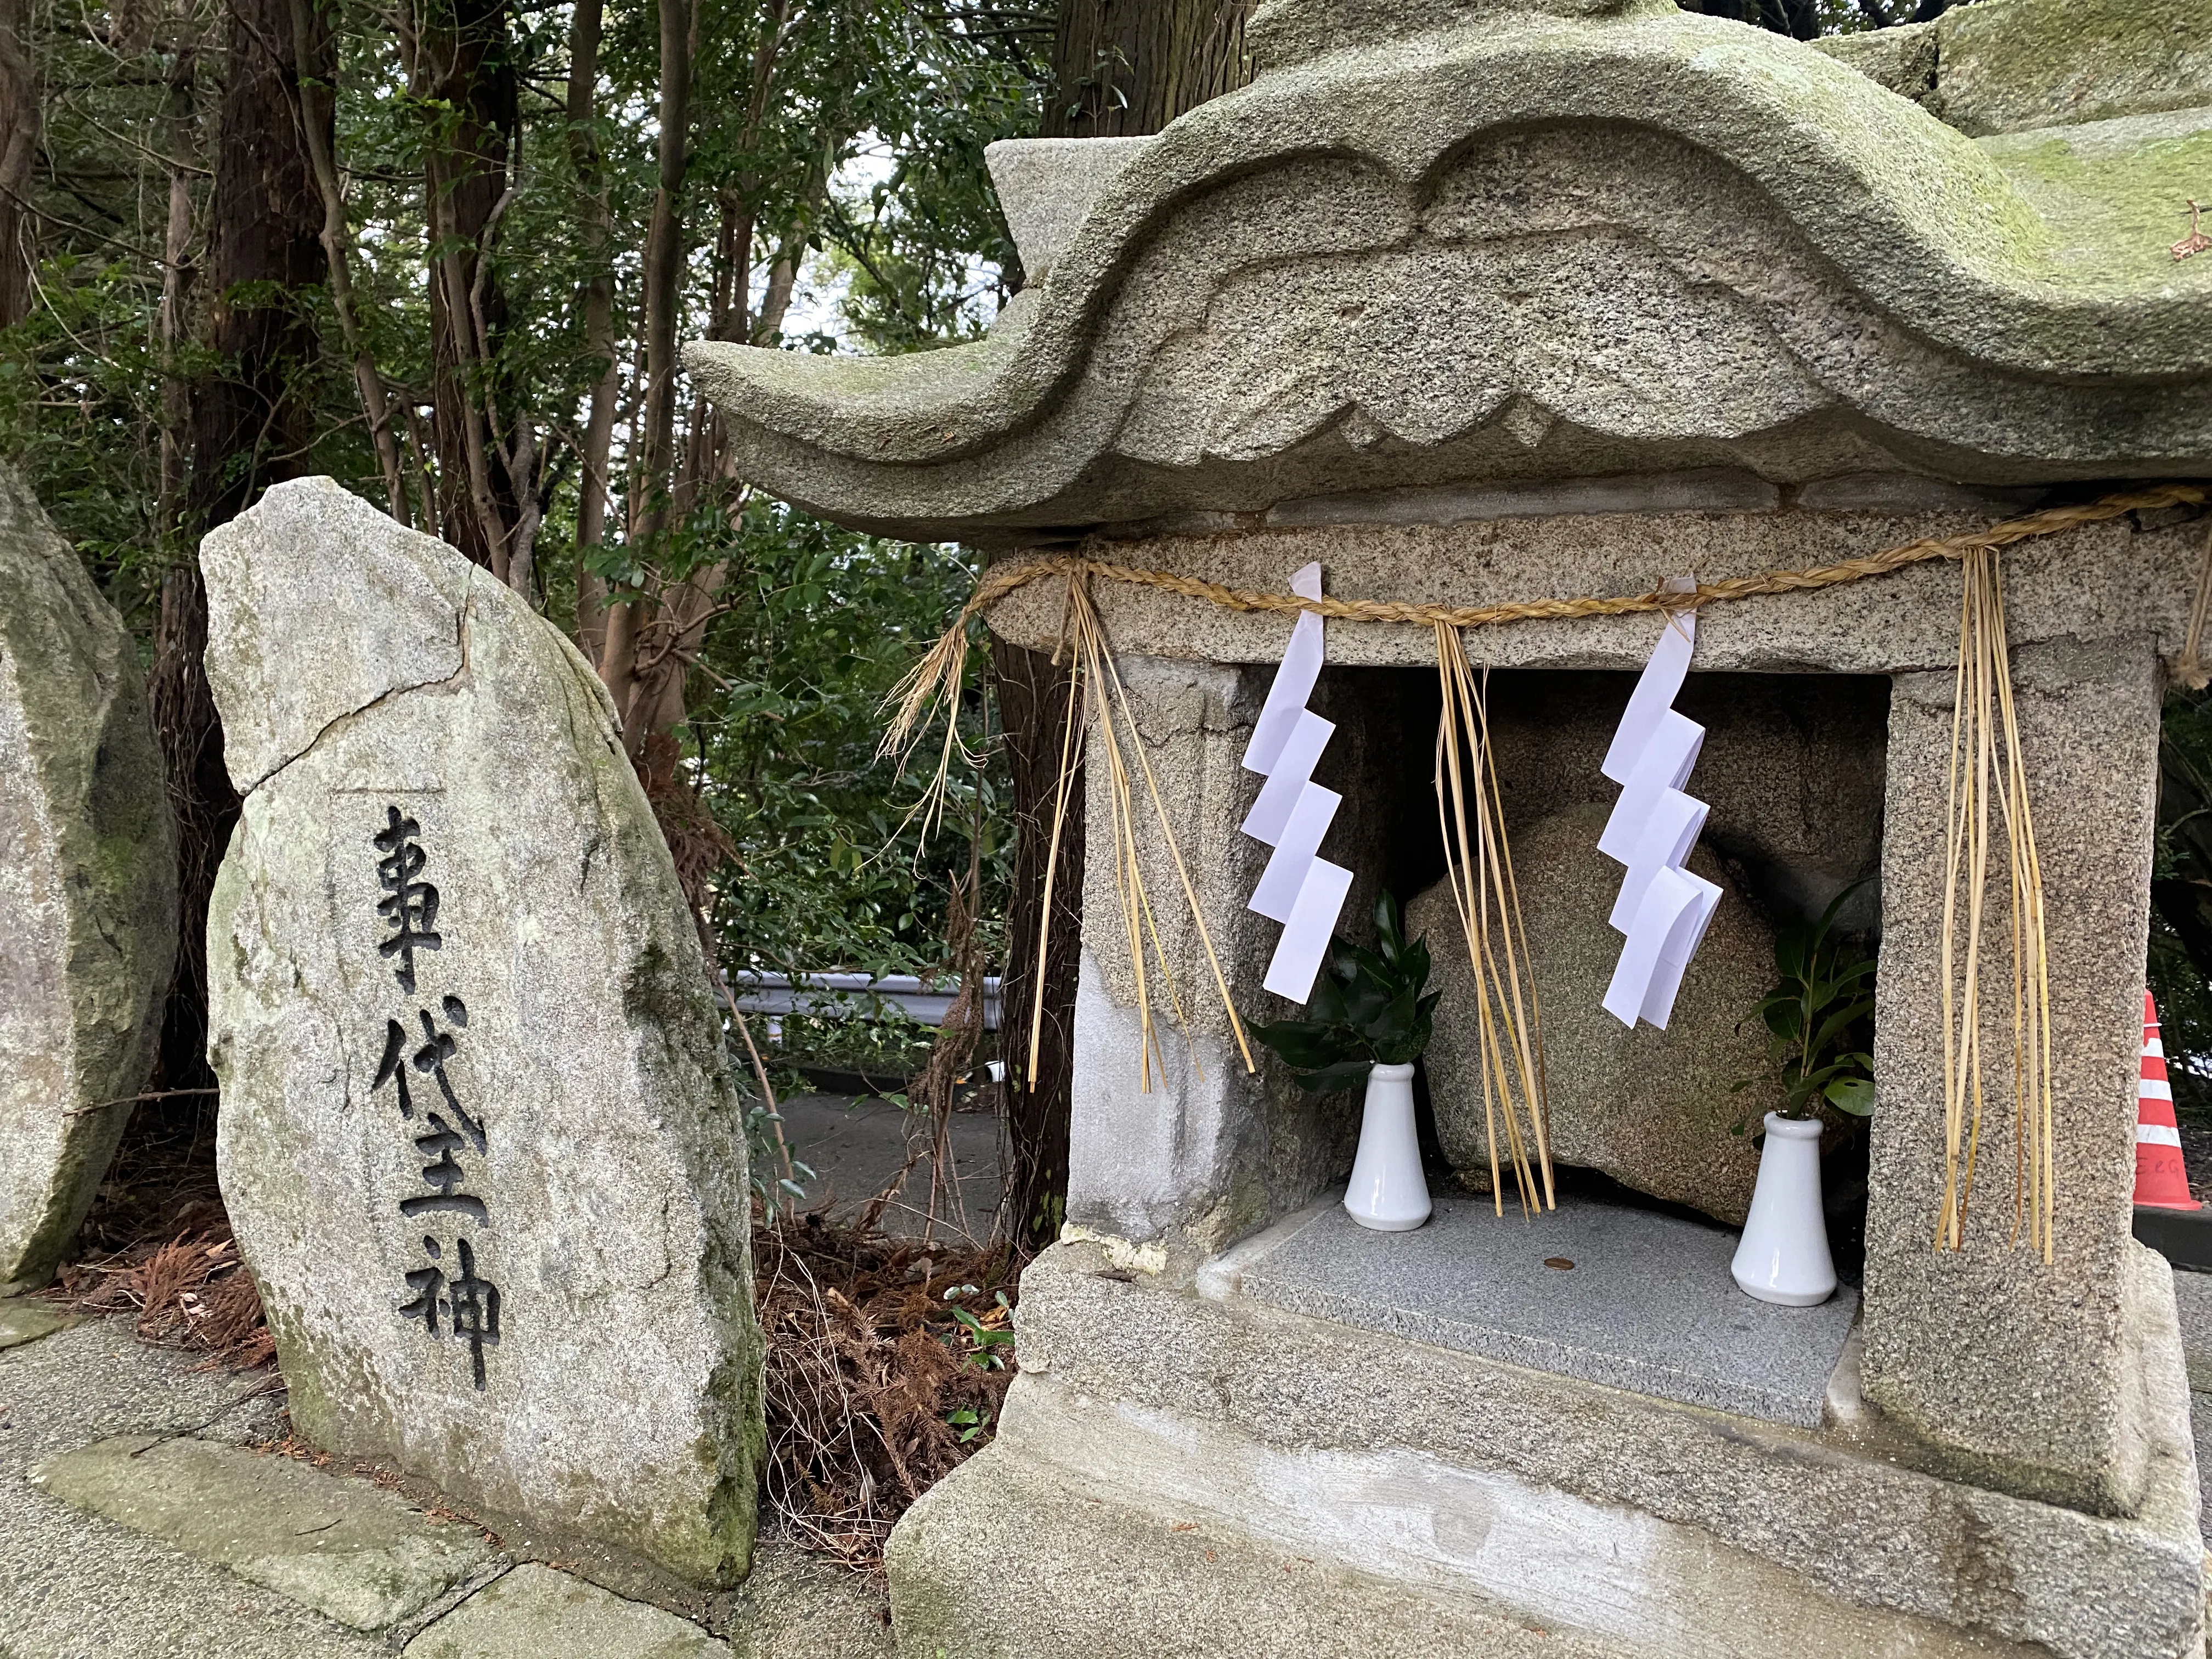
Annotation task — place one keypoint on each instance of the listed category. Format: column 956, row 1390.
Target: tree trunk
column 1033, row 704
column 463, row 73
column 1121, row 69
column 643, row 636
column 249, row 425
column 251, row 419
column 177, row 278
column 599, row 309
column 1125, row 67
column 664, row 274
column 312, row 60
column 19, row 155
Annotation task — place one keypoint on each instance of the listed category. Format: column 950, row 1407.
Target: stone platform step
column 1646, row 1303
column 1195, row 1547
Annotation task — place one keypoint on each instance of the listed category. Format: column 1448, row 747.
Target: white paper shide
column 1299, row 888
column 1664, row 909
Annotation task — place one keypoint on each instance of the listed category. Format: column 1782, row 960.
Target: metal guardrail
column 856, row 996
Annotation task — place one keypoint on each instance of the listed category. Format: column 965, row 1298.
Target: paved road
column 857, row 1148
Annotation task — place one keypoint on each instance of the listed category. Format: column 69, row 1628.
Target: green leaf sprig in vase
column 1815, row 1018
column 1369, row 1020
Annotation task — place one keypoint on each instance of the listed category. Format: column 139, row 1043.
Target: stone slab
column 1109, row 1534
column 536, row 1613
column 478, row 1140
column 2192, row 1298
column 22, row 1322
column 79, row 1586
column 1648, row 1305
column 796, row 1605
column 349, row 1550
column 88, row 881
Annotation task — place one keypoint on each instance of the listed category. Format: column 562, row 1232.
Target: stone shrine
column 1473, row 303
column 88, row 877
column 477, row 1139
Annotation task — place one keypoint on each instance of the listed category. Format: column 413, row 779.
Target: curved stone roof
column 1501, row 245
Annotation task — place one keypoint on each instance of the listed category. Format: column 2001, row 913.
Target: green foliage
column 1818, row 1019
column 2180, row 965
column 1367, row 1010
column 832, row 872
column 848, row 134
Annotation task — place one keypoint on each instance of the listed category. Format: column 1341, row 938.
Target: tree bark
column 462, row 72
column 1126, row 67
column 1122, row 68
column 250, row 423
column 599, row 309
column 664, row 274
column 252, row 418
column 311, row 56
column 177, row 276
column 20, row 123
column 644, row 635
column 1033, row 704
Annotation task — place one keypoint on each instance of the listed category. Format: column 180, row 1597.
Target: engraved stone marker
column 477, row 1139
column 88, row 885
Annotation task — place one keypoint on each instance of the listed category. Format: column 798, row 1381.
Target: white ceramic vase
column 1388, row 1192
column 1783, row 1256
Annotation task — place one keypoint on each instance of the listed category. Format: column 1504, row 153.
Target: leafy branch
column 1367, row 1010
column 1815, row 1019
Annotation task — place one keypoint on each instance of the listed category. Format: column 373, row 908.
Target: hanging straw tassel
column 1479, row 865
column 1986, row 771
column 1096, row 696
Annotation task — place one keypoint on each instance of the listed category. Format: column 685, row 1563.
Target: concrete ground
column 857, row 1147
column 2192, row 1294
column 140, row 1518
column 136, row 1521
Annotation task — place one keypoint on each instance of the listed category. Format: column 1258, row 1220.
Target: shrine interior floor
column 1629, row 1298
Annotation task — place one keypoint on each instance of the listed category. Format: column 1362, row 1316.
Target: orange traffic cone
column 2161, row 1181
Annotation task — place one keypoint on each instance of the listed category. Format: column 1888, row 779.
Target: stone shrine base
column 1206, row 1471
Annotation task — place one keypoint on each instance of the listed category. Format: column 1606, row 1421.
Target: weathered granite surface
column 2006, row 65
column 2029, row 1377
column 1046, row 185
column 1645, row 1302
column 2090, row 582
column 88, row 881
column 1611, row 1522
column 2001, row 66
column 1456, row 243
column 567, row 1132
column 346, row 1548
column 535, row 1612
column 1212, row 1152
column 1656, row 1111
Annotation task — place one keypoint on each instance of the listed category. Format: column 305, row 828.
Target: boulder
column 89, row 879
column 1656, row 1110
column 478, row 1137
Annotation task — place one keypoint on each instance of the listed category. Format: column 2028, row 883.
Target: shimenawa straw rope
column 1986, row 762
